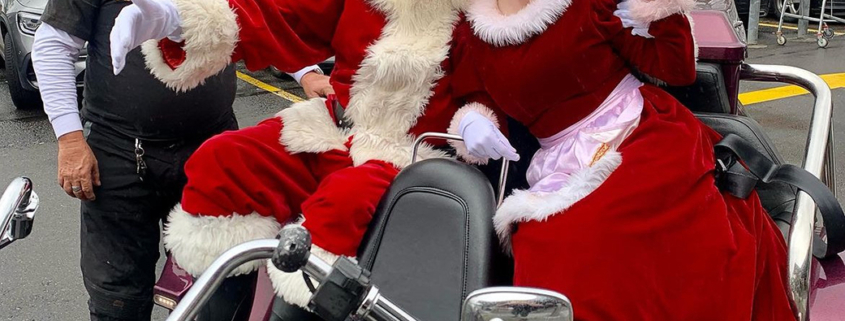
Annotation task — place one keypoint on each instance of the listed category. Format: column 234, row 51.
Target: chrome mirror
column 17, row 211
column 516, row 304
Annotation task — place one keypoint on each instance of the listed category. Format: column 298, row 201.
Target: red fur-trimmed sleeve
column 668, row 57
column 469, row 94
column 287, row 34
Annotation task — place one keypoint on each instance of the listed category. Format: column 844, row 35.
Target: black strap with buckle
column 338, row 112
column 734, row 178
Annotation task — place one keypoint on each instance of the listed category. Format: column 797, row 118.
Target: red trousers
column 249, row 171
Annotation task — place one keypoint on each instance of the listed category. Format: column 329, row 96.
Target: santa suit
column 639, row 231
column 243, row 185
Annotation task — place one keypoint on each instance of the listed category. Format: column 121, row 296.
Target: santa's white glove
column 483, row 139
column 624, row 13
column 141, row 21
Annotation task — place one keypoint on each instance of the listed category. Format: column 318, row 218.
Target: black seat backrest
column 431, row 241
column 708, row 94
column 777, row 198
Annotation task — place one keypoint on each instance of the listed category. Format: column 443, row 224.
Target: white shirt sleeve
column 54, row 53
column 298, row 75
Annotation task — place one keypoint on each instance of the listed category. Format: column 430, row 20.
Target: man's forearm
column 298, row 75
column 54, row 53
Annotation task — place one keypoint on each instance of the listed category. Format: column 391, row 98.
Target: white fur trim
column 196, row 241
column 647, row 11
column 454, row 127
column 309, row 128
column 210, row 31
column 291, row 286
column 396, row 79
column 524, row 206
column 500, row 30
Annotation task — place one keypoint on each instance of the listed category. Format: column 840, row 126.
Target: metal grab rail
column 503, row 174
column 819, row 144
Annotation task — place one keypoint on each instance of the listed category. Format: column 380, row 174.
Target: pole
column 753, row 21
column 803, row 23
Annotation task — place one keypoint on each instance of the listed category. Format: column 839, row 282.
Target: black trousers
column 120, row 232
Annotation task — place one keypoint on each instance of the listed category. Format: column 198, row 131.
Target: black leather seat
column 708, row 94
column 430, row 242
column 432, row 239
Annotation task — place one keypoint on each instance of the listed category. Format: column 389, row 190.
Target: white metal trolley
column 824, row 33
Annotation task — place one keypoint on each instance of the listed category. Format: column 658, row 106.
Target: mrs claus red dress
column 643, row 233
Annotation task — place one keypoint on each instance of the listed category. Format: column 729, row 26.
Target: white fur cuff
column 308, row 128
column 210, row 31
column 454, row 129
column 291, row 286
column 647, row 11
column 196, row 241
column 524, row 206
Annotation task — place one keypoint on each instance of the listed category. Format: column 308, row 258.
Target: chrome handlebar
column 211, row 279
column 374, row 306
column 818, row 161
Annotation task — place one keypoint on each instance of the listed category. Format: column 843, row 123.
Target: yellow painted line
column 786, row 27
column 267, row 87
column 760, row 96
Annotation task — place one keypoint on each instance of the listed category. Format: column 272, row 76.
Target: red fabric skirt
column 657, row 240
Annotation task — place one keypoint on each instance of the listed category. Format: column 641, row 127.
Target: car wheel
column 792, row 6
column 22, row 98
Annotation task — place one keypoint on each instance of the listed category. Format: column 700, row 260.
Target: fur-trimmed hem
column 500, row 30
column 291, row 286
column 196, row 241
column 210, row 31
column 308, row 128
column 647, row 11
column 524, row 206
column 454, row 129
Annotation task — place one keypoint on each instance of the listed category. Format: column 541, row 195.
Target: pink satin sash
column 582, row 144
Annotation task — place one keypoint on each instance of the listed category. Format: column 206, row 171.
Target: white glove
column 483, row 139
column 141, row 21
column 624, row 13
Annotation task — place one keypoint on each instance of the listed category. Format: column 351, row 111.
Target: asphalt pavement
column 40, row 278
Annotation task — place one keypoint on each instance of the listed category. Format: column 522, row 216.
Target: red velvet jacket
column 550, row 75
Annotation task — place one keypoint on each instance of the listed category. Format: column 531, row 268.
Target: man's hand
column 78, row 171
column 316, row 85
column 141, row 21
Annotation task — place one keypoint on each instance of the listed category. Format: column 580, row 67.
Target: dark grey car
column 18, row 22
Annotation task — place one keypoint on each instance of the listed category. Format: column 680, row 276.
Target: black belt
column 735, row 179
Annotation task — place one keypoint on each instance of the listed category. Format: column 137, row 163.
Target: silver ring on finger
column 76, row 189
